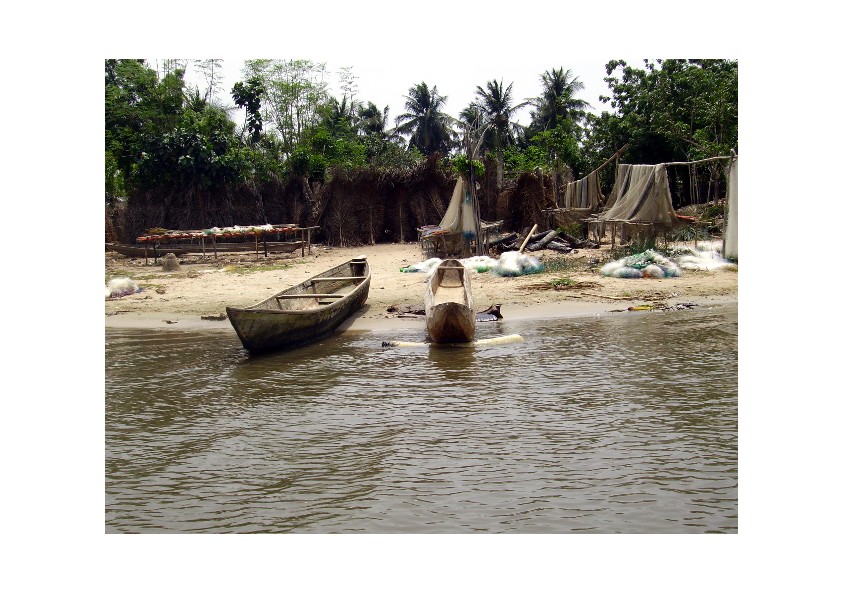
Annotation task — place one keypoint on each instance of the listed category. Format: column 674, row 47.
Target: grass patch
column 133, row 276
column 240, row 269
column 574, row 229
column 562, row 264
column 563, row 283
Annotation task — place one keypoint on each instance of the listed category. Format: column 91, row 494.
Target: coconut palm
column 372, row 120
column 472, row 116
column 430, row 129
column 338, row 116
column 558, row 101
column 495, row 104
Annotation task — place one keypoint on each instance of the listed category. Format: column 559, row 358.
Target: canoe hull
column 450, row 323
column 449, row 309
column 292, row 317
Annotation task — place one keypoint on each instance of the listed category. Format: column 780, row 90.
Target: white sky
column 392, row 46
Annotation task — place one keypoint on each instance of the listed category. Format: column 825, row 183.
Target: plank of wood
column 295, row 296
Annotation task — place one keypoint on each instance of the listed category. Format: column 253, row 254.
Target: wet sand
column 188, row 298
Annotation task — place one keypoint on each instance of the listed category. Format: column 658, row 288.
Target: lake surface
column 621, row 423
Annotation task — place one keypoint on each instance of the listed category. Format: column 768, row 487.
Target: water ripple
column 613, row 424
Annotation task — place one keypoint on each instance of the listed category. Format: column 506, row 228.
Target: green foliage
column 201, row 149
column 546, row 150
column 576, row 230
column 293, row 91
column 528, row 159
column 558, row 103
column 672, row 109
column 249, row 95
column 114, row 179
column 460, row 165
column 494, row 108
column 429, row 128
column 562, row 282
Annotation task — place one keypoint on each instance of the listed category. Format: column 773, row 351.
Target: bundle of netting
column 649, row 264
column 706, row 257
column 426, row 266
column 121, row 286
column 515, row 264
column 480, row 264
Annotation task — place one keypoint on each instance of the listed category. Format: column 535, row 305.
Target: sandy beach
column 195, row 296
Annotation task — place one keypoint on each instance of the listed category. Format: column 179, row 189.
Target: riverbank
column 195, row 296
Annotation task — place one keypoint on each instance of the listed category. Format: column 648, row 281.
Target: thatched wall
column 352, row 208
column 522, row 201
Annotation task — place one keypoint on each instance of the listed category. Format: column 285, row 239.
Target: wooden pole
column 698, row 161
column 528, row 237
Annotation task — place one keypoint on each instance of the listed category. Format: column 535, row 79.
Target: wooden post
column 528, row 237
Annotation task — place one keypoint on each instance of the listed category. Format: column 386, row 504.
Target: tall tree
column 211, row 70
column 558, row 101
column 294, row 90
column 373, row 121
column 249, row 95
column 496, row 105
column 671, row 110
column 429, row 128
column 138, row 106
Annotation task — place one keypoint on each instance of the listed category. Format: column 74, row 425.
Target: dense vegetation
column 298, row 154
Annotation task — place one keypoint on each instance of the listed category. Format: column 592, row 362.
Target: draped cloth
column 453, row 219
column 641, row 193
column 583, row 194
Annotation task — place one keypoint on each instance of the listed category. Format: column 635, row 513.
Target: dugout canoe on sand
column 449, row 310
column 304, row 312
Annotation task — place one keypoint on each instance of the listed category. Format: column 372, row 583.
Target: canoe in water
column 305, row 312
column 449, row 310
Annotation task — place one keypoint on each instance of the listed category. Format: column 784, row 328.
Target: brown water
column 622, row 423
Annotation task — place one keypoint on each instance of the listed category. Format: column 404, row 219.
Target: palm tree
column 495, row 104
column 338, row 116
column 429, row 129
column 471, row 116
column 372, row 121
column 558, row 101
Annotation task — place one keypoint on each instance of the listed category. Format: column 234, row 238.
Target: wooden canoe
column 449, row 310
column 304, row 312
column 221, row 247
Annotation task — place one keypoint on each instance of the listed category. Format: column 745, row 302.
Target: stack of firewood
column 559, row 241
